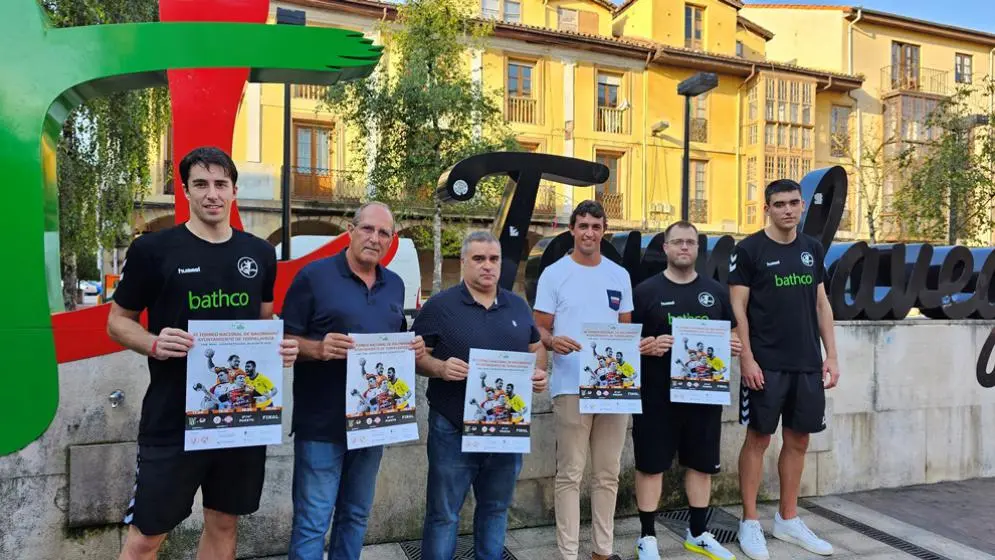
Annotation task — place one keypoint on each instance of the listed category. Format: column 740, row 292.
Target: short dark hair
column 679, row 224
column 250, row 362
column 208, row 156
column 591, row 208
column 780, row 186
column 233, row 356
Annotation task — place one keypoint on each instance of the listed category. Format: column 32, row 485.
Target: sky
column 972, row 14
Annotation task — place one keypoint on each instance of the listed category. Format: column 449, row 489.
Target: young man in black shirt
column 782, row 312
column 202, row 269
column 665, row 429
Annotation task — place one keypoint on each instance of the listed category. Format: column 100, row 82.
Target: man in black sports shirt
column 782, row 312
column 202, row 269
column 665, row 429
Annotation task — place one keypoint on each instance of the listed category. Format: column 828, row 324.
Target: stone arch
column 149, row 224
column 308, row 227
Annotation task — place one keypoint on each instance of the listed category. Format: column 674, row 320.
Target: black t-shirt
column 452, row 322
column 657, row 301
column 178, row 276
column 783, row 281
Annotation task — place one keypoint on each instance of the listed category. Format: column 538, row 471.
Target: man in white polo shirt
column 583, row 287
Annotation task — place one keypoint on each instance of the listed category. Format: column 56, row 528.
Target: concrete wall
column 908, row 411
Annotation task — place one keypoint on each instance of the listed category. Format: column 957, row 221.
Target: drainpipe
column 649, row 56
column 857, row 219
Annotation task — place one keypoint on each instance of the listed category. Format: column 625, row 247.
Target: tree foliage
column 876, row 160
column 422, row 111
column 951, row 174
column 104, row 154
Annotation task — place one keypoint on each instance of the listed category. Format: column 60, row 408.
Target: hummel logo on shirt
column 666, row 303
column 773, row 263
column 188, row 270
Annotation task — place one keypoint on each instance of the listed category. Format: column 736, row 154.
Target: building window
column 490, row 9
column 751, row 178
column 904, row 66
column 769, row 134
column 782, row 167
column 312, row 160
column 753, row 135
column 610, row 116
column 693, row 24
column 739, row 49
column 521, row 105
column 609, row 193
column 751, row 214
column 566, row 19
column 839, row 133
column 698, row 205
column 699, row 118
column 963, row 68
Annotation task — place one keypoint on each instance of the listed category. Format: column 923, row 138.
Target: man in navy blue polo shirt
column 328, row 299
column 475, row 314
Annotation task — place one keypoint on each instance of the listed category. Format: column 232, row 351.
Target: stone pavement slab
column 960, row 511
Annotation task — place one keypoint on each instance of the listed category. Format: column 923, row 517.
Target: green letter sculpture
column 45, row 74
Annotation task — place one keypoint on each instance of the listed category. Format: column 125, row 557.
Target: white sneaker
column 796, row 532
column 706, row 544
column 751, row 540
column 646, row 549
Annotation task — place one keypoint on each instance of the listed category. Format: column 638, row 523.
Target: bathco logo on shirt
column 217, row 300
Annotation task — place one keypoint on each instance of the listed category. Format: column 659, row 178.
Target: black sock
column 648, row 521
column 697, row 521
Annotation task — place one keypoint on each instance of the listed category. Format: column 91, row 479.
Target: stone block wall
column 908, row 411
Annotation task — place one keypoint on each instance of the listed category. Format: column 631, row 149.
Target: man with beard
column 692, row 432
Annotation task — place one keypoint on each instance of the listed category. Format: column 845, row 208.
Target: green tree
column 872, row 164
column 423, row 112
column 948, row 189
column 104, row 154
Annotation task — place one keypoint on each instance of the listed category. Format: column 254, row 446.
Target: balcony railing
column 914, row 79
column 613, row 204
column 326, row 185
column 699, row 130
column 314, row 93
column 698, row 211
column 522, row 110
column 612, row 120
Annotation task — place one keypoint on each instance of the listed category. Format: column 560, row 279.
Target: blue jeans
column 451, row 473
column 328, row 477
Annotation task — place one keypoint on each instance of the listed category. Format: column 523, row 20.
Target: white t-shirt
column 575, row 294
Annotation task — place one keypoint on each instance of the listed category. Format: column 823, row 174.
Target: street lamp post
column 694, row 86
column 287, row 17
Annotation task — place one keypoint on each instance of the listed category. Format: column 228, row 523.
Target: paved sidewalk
column 954, row 521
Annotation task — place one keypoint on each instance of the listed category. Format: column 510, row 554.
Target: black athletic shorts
column 798, row 397
column 693, row 432
column 167, row 478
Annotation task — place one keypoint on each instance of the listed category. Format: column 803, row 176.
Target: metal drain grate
column 722, row 525
column 868, row 531
column 464, row 550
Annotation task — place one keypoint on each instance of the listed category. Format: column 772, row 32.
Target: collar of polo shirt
column 343, row 263
column 500, row 301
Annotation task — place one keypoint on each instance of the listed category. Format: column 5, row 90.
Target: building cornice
column 755, row 28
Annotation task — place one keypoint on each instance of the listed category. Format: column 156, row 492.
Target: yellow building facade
column 588, row 79
column 908, row 66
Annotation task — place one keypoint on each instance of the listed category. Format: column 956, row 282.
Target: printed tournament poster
column 609, row 369
column 701, row 358
column 380, row 390
column 497, row 409
column 234, row 388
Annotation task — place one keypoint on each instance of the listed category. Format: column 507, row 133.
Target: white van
column 404, row 264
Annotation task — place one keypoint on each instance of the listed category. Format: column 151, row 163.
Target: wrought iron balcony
column 911, row 78
column 326, row 185
column 612, row 120
column 698, row 211
column 613, row 204
column 522, row 110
